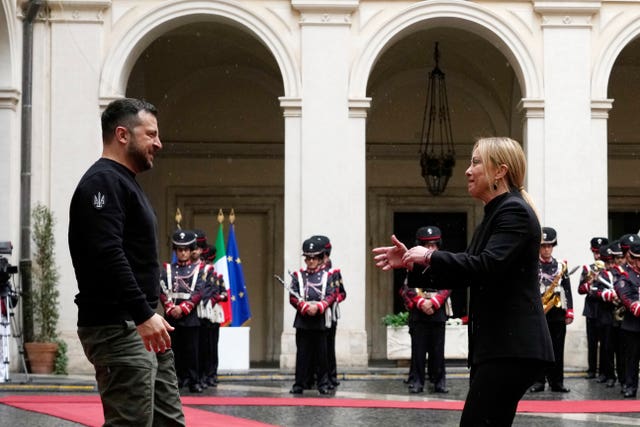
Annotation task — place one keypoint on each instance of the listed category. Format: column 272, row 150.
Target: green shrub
column 396, row 320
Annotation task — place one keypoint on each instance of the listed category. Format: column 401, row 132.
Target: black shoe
column 195, row 388
column 324, row 390
column 330, row 386
column 560, row 388
column 416, row 389
column 211, row 382
column 296, row 390
column 440, row 390
column 611, row 382
column 590, row 375
column 335, row 383
column 536, row 388
column 630, row 393
column 601, row 379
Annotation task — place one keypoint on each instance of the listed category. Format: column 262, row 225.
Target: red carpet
column 87, row 410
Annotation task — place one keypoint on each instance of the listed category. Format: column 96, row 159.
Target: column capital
column 533, row 108
column 292, row 106
column 600, row 108
column 358, row 107
column 575, row 14
column 325, row 12
column 77, row 10
column 9, row 98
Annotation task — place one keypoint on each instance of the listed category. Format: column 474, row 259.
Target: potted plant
column 45, row 295
column 398, row 338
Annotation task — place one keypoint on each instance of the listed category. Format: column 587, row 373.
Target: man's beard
column 138, row 155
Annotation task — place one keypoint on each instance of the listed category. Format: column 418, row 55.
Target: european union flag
column 240, row 311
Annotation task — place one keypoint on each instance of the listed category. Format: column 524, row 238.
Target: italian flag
column 222, row 268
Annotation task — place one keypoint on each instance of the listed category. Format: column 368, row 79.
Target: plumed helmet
column 311, row 247
column 184, row 238
column 634, row 249
column 549, row 236
column 626, row 241
column 324, row 242
column 201, row 238
column 596, row 242
column 429, row 234
column 209, row 253
column 615, row 249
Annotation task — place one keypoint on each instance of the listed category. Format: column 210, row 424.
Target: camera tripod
column 9, row 328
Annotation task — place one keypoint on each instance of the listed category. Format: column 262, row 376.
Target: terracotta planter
column 41, row 356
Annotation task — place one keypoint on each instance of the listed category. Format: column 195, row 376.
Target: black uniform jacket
column 628, row 289
column 500, row 267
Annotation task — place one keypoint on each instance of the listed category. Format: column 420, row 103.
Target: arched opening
column 623, row 143
column 216, row 87
column 483, row 94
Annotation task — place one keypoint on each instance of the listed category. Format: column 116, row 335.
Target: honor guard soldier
column 211, row 316
column 312, row 295
column 628, row 288
column 341, row 295
column 555, row 288
column 182, row 284
column 428, row 312
column 591, row 304
column 604, row 292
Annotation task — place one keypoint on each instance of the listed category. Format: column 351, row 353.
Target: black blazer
column 500, row 267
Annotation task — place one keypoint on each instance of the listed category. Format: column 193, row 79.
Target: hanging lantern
column 437, row 155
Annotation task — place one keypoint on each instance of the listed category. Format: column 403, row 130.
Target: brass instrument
column 598, row 266
column 550, row 298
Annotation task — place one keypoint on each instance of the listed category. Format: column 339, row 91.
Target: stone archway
column 464, row 15
column 133, row 40
column 464, row 21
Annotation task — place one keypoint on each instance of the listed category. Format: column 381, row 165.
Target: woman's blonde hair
column 496, row 151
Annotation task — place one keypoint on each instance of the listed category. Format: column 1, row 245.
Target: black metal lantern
column 437, row 155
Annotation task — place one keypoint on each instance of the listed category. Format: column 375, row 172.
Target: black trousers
column 184, row 342
column 607, row 352
column 428, row 337
column 592, row 344
column 332, row 367
column 555, row 373
column 631, row 344
column 495, row 390
column 311, row 354
column 208, row 350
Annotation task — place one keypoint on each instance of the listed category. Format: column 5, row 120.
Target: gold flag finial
column 232, row 216
column 178, row 218
column 220, row 216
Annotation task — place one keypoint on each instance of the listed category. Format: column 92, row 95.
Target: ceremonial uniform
column 427, row 330
column 182, row 284
column 555, row 288
column 312, row 295
column 341, row 295
column 603, row 291
column 591, row 305
column 210, row 314
column 628, row 289
column 428, row 333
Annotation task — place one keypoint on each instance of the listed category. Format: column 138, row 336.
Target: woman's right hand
column 388, row 257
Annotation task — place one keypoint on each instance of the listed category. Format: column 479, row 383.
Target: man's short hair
column 124, row 112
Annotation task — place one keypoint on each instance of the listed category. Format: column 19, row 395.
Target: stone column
column 572, row 177
column 330, row 204
column 10, row 169
column 66, row 135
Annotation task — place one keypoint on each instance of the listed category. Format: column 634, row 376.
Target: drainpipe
column 29, row 10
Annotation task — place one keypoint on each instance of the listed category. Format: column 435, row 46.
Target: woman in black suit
column 509, row 342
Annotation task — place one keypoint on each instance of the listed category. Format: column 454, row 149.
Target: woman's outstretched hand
column 388, row 257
